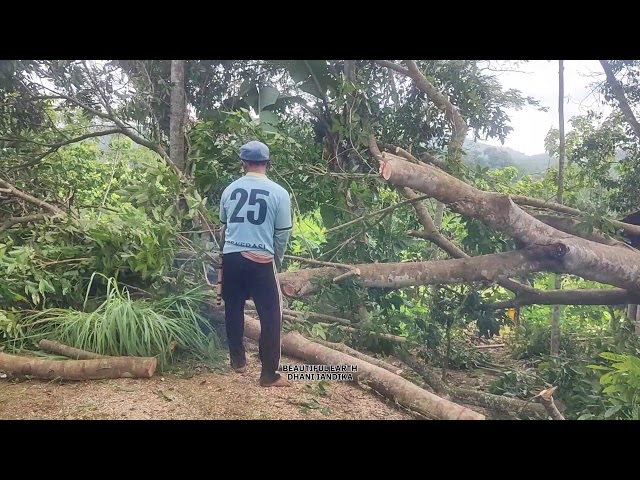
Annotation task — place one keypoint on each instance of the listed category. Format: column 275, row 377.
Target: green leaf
column 268, row 96
column 252, row 99
column 298, row 71
column 611, row 411
column 268, row 117
column 246, row 86
column 311, row 88
column 328, row 215
column 319, row 68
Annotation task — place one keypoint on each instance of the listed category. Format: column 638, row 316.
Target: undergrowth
column 168, row 328
column 577, row 372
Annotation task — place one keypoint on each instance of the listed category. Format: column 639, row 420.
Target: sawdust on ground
column 208, row 396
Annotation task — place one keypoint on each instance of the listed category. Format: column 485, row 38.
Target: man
column 256, row 214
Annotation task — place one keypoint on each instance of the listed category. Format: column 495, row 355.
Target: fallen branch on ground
column 67, row 351
column 319, row 316
column 294, row 316
column 471, row 397
column 341, row 347
column 384, row 382
column 95, row 369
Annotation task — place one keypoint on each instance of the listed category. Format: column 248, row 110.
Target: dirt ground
column 208, row 396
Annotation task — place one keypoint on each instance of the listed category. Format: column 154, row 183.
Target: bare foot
column 240, row 369
column 280, row 382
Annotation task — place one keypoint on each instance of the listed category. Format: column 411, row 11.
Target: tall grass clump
column 120, row 325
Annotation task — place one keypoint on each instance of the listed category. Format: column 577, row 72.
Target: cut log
column 386, row 383
column 95, row 369
column 341, row 347
column 67, row 351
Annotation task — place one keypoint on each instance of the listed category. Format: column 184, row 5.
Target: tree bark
column 341, row 347
column 496, row 402
column 572, row 226
column 618, row 92
column 178, row 110
column 299, row 283
column 546, row 398
column 384, row 382
column 613, row 296
column 432, row 233
column 67, row 351
column 97, row 369
column 555, row 316
column 610, row 265
column 628, row 228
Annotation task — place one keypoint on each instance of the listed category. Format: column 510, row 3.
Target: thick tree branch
column 534, row 202
column 614, row 296
column 32, row 200
column 458, row 124
column 377, row 212
column 26, row 219
column 611, row 265
column 432, row 234
column 406, row 155
column 572, row 226
column 519, row 199
column 393, row 66
column 493, row 267
column 618, row 92
column 127, row 131
column 56, row 146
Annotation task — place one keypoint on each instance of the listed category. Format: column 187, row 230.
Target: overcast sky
column 540, row 81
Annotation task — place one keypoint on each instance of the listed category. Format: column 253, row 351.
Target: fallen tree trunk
column 611, row 265
column 95, row 369
column 384, row 382
column 67, row 351
column 341, row 347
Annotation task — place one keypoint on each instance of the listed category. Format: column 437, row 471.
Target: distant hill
column 479, row 153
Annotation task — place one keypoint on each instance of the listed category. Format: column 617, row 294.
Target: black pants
column 243, row 279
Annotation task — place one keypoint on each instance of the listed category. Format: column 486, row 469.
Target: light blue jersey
column 257, row 214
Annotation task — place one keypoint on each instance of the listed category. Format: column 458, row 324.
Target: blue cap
column 254, row 151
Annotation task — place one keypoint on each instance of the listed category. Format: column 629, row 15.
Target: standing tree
column 555, row 320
